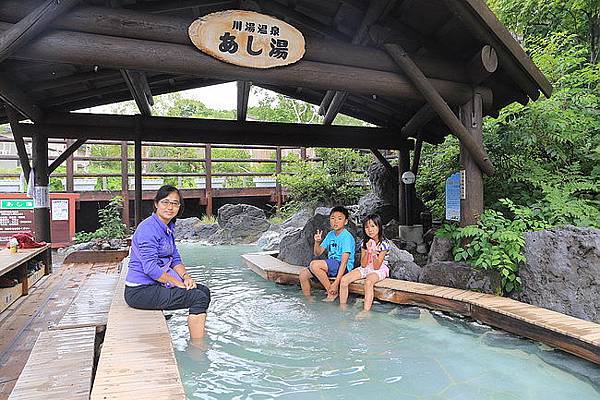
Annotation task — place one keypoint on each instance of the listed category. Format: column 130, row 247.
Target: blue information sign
column 453, row 197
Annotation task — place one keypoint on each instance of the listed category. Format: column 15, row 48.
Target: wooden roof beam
column 65, row 154
column 440, row 107
column 163, row 28
column 374, row 12
column 243, row 95
column 483, row 64
column 526, row 75
column 12, row 95
column 196, row 130
column 89, row 49
column 30, row 26
column 158, row 7
column 382, row 160
column 140, row 90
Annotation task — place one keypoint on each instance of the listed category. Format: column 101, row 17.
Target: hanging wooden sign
column 247, row 38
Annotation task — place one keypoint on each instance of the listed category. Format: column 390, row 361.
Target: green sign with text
column 16, row 204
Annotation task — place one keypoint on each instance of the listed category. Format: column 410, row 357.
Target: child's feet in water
column 330, row 298
column 361, row 315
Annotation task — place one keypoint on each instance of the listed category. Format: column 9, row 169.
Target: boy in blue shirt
column 340, row 246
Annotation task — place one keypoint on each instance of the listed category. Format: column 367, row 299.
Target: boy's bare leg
column 346, row 281
column 319, row 268
column 305, row 281
column 370, row 282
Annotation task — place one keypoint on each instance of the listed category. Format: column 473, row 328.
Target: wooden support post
column 70, row 182
column 440, row 106
column 417, row 155
column 403, row 166
column 72, row 148
column 13, row 117
column 279, row 194
column 471, row 206
column 140, row 90
column 138, row 181
column 303, row 153
column 243, row 95
column 41, row 211
column 125, row 182
column 208, row 172
column 334, row 108
column 27, row 28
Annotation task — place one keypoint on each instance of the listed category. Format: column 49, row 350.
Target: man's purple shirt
column 153, row 252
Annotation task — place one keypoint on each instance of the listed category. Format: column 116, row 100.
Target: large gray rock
column 269, row 241
column 402, row 265
column 192, row 229
column 461, row 276
column 562, row 272
column 239, row 224
column 441, row 250
column 296, row 246
column 370, row 203
column 298, row 220
column 390, row 230
column 384, row 183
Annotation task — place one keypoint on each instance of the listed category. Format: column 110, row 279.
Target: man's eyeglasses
column 167, row 203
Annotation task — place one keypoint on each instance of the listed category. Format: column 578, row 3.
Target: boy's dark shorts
column 333, row 266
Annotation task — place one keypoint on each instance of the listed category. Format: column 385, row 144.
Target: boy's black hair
column 165, row 191
column 377, row 221
column 341, row 209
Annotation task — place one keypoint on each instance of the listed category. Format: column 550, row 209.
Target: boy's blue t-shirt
column 337, row 245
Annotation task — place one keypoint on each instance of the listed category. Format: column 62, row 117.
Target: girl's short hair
column 163, row 192
column 377, row 221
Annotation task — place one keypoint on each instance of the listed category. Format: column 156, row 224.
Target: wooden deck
column 567, row 333
column 91, row 306
column 47, row 302
column 137, row 358
column 60, row 366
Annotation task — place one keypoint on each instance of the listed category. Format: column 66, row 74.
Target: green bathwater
column 265, row 341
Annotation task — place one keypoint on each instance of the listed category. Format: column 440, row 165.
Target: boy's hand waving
column 318, row 236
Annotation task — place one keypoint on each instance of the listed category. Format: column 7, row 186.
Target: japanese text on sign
column 248, row 39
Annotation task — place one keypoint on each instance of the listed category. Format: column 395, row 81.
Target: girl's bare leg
column 346, row 281
column 370, row 282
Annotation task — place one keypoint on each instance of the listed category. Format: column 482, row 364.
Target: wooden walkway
column 60, row 366
column 47, row 302
column 567, row 333
column 90, row 307
column 137, row 358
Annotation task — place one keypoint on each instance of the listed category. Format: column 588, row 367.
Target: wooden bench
column 18, row 261
column 137, row 358
column 567, row 333
column 59, row 366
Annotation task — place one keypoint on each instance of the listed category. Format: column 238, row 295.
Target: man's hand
column 318, row 236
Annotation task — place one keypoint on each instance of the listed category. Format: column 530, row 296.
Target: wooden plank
column 91, row 306
column 137, row 358
column 60, row 366
column 10, row 295
column 565, row 332
column 98, row 256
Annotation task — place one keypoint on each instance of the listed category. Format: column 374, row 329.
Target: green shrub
column 111, row 225
column 496, row 242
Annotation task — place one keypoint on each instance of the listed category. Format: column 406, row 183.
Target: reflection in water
column 265, row 341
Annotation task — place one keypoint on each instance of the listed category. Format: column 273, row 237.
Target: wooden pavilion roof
column 441, row 35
